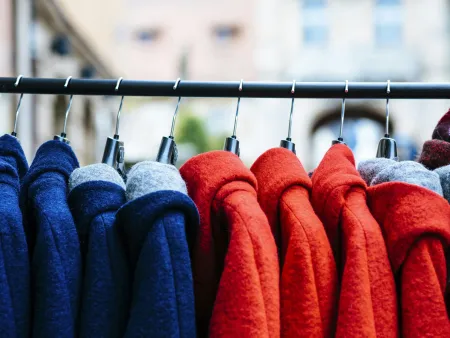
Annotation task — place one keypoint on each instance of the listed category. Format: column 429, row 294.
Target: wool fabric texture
column 308, row 285
column 150, row 176
column 444, row 177
column 368, row 300
column 409, row 172
column 14, row 261
column 95, row 172
column 436, row 152
column 53, row 241
column 97, row 192
column 368, row 169
column 416, row 224
column 235, row 262
column 158, row 229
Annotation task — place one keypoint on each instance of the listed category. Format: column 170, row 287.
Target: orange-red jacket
column 367, row 301
column 235, row 261
column 308, row 286
column 416, row 224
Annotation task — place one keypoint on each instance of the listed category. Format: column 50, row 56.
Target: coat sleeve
column 105, row 298
column 422, row 312
column 56, row 261
column 14, row 262
column 247, row 301
column 163, row 299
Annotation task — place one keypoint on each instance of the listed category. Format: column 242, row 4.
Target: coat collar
column 90, row 199
column 136, row 218
column 333, row 180
column 11, row 152
column 407, row 212
column 277, row 170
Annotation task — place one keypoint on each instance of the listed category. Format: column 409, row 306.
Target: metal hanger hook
column 174, row 118
column 16, row 84
column 292, row 111
column 387, row 107
column 343, row 112
column 69, row 106
column 116, row 133
column 237, row 109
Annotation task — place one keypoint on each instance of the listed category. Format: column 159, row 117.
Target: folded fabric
column 368, row 301
column 96, row 193
column 53, row 242
column 368, row 169
column 158, row 225
column 384, row 170
column 14, row 261
column 235, row 263
column 436, row 152
column 444, row 178
column 416, row 224
column 308, row 286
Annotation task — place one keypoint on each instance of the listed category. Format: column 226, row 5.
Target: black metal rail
column 317, row 90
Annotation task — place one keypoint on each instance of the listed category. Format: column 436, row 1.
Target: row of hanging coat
column 216, row 249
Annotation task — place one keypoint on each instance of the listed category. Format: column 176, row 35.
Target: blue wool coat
column 14, row 262
column 157, row 228
column 53, row 241
column 105, row 294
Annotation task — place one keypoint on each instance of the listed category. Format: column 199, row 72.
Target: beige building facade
column 266, row 40
column 42, row 42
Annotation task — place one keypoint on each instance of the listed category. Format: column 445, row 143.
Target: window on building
column 226, row 33
column 150, row 35
column 388, row 23
column 389, row 35
column 314, row 3
column 315, row 35
column 315, row 28
column 388, row 2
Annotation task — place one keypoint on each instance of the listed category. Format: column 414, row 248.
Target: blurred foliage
column 191, row 129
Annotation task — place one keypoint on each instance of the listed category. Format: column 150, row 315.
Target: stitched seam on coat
column 9, row 288
column 257, row 266
column 173, row 274
column 309, row 250
column 368, row 271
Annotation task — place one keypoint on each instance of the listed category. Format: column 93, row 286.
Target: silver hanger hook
column 237, row 109
column 120, row 106
column 16, row 84
column 292, row 111
column 174, row 118
column 69, row 106
column 343, row 112
column 387, row 107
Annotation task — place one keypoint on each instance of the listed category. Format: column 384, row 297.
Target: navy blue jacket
column 14, row 262
column 53, row 242
column 157, row 228
column 106, row 293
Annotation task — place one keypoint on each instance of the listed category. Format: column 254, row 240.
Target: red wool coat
column 368, row 302
column 235, row 261
column 416, row 224
column 308, row 283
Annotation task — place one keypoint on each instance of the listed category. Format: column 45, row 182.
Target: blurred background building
column 267, row 40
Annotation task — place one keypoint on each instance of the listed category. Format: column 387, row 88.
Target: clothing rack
column 251, row 89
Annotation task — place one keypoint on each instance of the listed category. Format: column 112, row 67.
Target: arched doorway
column 364, row 125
